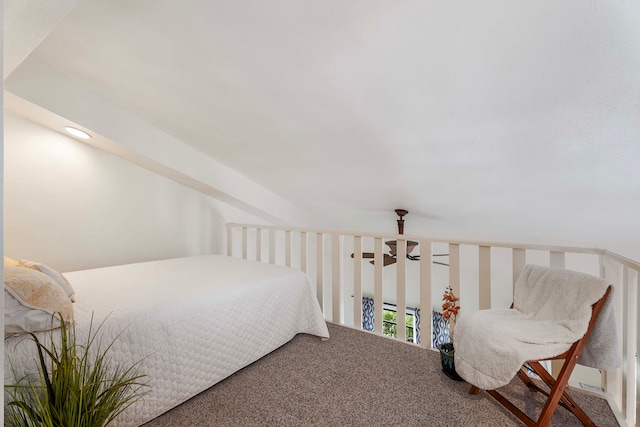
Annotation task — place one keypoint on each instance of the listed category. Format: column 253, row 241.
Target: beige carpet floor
column 358, row 379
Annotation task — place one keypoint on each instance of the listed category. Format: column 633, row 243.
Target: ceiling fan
column 391, row 257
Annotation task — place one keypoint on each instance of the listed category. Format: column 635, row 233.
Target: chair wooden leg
column 527, row 381
column 512, row 408
column 565, row 399
column 557, row 394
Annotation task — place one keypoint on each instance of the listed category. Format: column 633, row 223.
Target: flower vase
column 447, row 354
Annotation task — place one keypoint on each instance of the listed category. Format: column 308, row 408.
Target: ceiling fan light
column 393, row 246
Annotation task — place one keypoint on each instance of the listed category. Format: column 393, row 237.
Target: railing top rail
column 542, row 247
column 622, row 260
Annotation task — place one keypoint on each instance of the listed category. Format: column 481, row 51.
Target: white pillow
column 19, row 319
column 58, row 277
column 33, row 301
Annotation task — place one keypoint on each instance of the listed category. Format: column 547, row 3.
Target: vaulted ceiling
column 502, row 120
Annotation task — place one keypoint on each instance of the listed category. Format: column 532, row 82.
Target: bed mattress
column 192, row 321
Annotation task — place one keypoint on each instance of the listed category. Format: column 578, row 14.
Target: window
column 389, row 320
column 390, row 325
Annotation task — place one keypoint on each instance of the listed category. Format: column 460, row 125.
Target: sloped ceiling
column 502, row 120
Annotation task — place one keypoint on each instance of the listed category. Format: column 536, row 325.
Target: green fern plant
column 76, row 386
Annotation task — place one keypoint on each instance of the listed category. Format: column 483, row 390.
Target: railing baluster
column 625, row 348
column 629, row 343
column 258, row 244
column 303, row 251
column 454, row 268
column 229, row 240
column 320, row 269
column 612, row 272
column 401, row 304
column 244, row 242
column 377, row 286
column 272, row 246
column 336, row 285
column 556, row 259
column 357, row 282
column 636, row 303
column 287, row 246
column 426, row 319
column 519, row 259
column 484, row 277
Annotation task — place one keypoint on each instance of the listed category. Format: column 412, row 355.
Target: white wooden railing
column 482, row 273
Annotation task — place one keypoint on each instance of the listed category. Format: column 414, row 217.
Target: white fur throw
column 552, row 309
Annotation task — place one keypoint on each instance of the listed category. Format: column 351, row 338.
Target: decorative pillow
column 19, row 319
column 39, row 300
column 10, row 262
column 57, row 277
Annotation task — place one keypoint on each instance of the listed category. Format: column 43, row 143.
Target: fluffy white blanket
column 552, row 309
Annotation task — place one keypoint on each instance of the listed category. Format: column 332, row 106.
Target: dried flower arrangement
column 450, row 308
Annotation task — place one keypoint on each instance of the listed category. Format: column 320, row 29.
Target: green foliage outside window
column 390, row 327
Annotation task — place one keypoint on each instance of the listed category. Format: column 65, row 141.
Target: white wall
column 74, row 207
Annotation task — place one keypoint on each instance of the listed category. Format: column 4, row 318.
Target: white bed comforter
column 193, row 321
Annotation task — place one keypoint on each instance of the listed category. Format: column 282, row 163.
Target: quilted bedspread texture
column 191, row 321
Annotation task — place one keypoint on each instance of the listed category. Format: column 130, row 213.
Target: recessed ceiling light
column 77, row 132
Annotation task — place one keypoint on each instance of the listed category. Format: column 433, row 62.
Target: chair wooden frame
column 557, row 394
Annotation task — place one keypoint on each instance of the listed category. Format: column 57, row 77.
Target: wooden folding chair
column 557, row 394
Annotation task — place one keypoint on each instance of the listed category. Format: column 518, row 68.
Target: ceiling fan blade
column 417, row 258
column 440, row 255
column 365, row 255
column 387, row 260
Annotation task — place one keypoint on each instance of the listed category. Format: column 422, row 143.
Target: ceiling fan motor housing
column 401, row 213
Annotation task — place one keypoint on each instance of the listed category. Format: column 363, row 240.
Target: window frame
column 408, row 311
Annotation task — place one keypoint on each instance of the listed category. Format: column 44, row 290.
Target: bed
column 193, row 321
